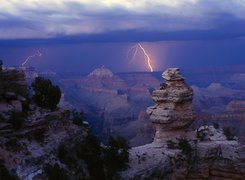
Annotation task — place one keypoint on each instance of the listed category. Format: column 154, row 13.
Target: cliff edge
column 178, row 151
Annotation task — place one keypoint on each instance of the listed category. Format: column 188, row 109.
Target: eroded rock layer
column 173, row 110
column 179, row 152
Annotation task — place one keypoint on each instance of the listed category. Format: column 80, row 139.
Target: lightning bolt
column 135, row 48
column 147, row 56
column 38, row 53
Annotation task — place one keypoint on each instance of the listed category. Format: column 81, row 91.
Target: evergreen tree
column 46, row 94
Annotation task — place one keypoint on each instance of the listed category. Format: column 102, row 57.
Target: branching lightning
column 147, row 56
column 38, row 54
column 135, row 48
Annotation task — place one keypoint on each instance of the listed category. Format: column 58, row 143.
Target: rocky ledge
column 30, row 136
column 179, row 152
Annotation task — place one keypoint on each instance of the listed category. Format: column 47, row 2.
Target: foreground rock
column 178, row 152
column 173, row 112
column 31, row 137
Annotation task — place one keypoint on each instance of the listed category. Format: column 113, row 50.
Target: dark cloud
column 233, row 28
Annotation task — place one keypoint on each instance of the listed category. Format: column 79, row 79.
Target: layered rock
column 12, row 82
column 101, row 72
column 179, row 152
column 13, row 91
column 173, row 110
column 30, row 137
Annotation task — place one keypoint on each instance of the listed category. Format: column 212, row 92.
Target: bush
column 116, row 156
column 185, row 146
column 55, row 172
column 5, row 174
column 78, row 118
column 37, row 135
column 91, row 151
column 104, row 162
column 17, row 120
column 67, row 157
column 202, row 134
column 228, row 133
column 1, row 64
column 216, row 125
column 13, row 145
column 46, row 94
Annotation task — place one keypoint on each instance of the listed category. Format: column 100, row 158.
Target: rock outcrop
column 13, row 91
column 12, row 83
column 101, row 72
column 30, row 137
column 173, row 112
column 179, row 152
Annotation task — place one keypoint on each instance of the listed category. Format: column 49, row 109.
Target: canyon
column 115, row 104
column 171, row 141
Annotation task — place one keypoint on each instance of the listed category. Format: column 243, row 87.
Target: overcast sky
column 90, row 33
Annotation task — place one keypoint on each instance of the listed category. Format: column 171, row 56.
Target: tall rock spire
column 173, row 112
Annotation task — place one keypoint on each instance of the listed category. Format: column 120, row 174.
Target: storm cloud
column 121, row 20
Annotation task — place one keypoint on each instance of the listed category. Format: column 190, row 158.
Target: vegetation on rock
column 228, row 133
column 216, row 125
column 182, row 144
column 46, row 94
column 78, row 117
column 17, row 119
column 55, row 172
column 103, row 162
column 5, row 174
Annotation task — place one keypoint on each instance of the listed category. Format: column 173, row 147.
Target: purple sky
column 80, row 35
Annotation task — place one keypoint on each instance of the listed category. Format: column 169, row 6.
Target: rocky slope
column 178, row 151
column 30, row 137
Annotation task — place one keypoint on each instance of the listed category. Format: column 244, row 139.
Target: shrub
column 201, row 134
column 62, row 152
column 228, row 133
column 37, row 135
column 5, row 174
column 116, row 156
column 91, row 151
column 67, row 156
column 78, row 118
column 216, row 125
column 17, row 120
column 55, row 172
column 104, row 162
column 13, row 145
column 1, row 64
column 185, row 146
column 46, row 94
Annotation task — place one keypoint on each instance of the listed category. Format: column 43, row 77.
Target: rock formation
column 13, row 91
column 101, row 72
column 12, row 81
column 178, row 152
column 173, row 112
column 30, row 136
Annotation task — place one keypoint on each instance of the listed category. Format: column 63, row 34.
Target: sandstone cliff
column 178, row 151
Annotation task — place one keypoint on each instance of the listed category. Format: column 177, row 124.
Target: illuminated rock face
column 173, row 112
column 101, row 72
